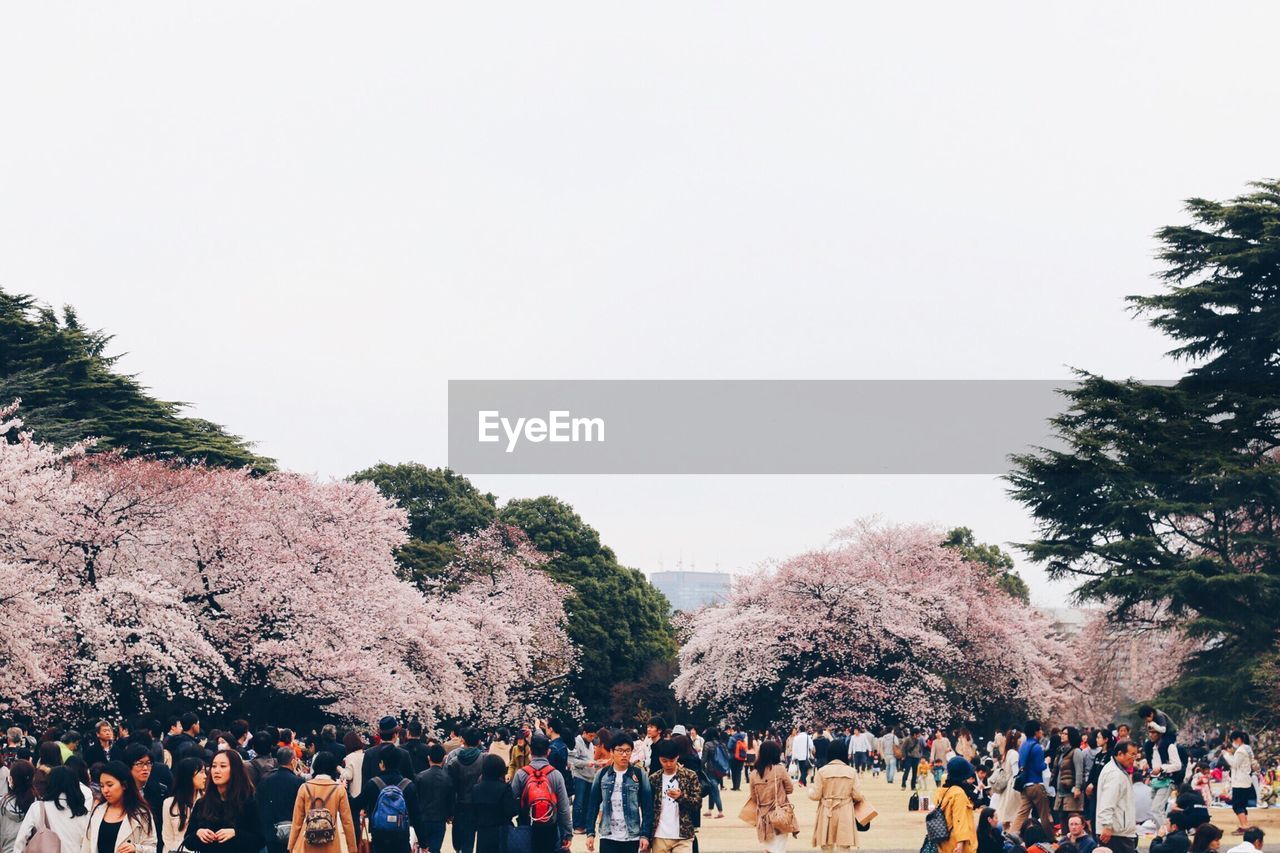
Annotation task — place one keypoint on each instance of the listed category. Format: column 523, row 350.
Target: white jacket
column 1117, row 809
column 70, row 829
column 1241, row 761
column 171, row 831
column 143, row 838
column 802, row 746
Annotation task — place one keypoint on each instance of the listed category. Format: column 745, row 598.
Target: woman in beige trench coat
column 770, row 787
column 835, row 787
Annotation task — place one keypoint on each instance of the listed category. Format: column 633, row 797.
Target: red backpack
column 538, row 796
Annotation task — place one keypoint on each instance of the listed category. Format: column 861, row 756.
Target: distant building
column 691, row 590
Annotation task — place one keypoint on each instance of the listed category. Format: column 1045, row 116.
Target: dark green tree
column 1170, row 495
column 441, row 505
column 617, row 618
column 997, row 562
column 70, row 390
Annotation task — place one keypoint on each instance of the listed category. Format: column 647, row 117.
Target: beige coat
column 767, row 793
column 835, row 787
column 334, row 797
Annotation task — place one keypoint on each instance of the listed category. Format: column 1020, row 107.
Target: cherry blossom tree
column 883, row 626
column 518, row 656
column 134, row 583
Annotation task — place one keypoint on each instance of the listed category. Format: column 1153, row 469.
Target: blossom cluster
column 130, row 583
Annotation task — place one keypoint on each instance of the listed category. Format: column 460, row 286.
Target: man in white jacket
column 1117, row 812
column 802, row 751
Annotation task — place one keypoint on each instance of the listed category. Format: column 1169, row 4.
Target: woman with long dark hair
column 189, row 780
column 14, row 805
column 1069, row 779
column 990, row 837
column 352, row 773
column 1103, row 745
column 49, row 757
column 122, row 822
column 1010, row 798
column 225, row 819
column 62, row 809
column 770, row 787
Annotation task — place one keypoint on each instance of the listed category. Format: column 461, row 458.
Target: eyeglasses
column 142, row 762
column 622, row 749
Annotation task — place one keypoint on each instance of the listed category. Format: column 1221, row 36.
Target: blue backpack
column 391, row 814
column 722, row 760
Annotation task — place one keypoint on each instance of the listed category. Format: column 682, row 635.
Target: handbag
column 783, row 819
column 783, row 816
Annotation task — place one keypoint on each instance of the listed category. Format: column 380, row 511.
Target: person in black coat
column 275, row 798
column 225, row 819
column 493, row 805
column 434, row 801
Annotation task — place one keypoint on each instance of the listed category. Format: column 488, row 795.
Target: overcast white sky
column 306, row 217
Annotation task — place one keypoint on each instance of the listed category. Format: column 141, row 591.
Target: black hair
column 50, row 754
column 471, row 736
column 769, row 754
column 1030, row 729
column 539, row 746
column 665, row 749
column 63, row 785
column 619, row 739
column 22, row 774
column 1033, row 833
column 1243, row 736
column 239, row 728
column 184, row 787
column 1145, row 711
column 493, row 767
column 325, row 763
column 216, row 806
column 435, row 753
column 1206, row 834
column 135, row 752
column 985, row 829
column 658, row 723
column 78, row 767
column 414, row 728
column 1254, row 834
column 188, row 720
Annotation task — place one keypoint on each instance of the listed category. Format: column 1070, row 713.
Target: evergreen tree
column 441, row 505
column 1170, row 495
column 616, row 617
column 997, row 562
column 70, row 390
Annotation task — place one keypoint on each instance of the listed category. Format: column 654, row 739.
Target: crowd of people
column 150, row 787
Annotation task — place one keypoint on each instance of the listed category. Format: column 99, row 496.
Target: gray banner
column 747, row 426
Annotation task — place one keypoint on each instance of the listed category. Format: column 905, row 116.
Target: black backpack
column 913, row 804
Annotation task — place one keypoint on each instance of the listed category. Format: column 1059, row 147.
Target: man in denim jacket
column 621, row 802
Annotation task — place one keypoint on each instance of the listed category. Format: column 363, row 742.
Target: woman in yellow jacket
column 956, row 801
